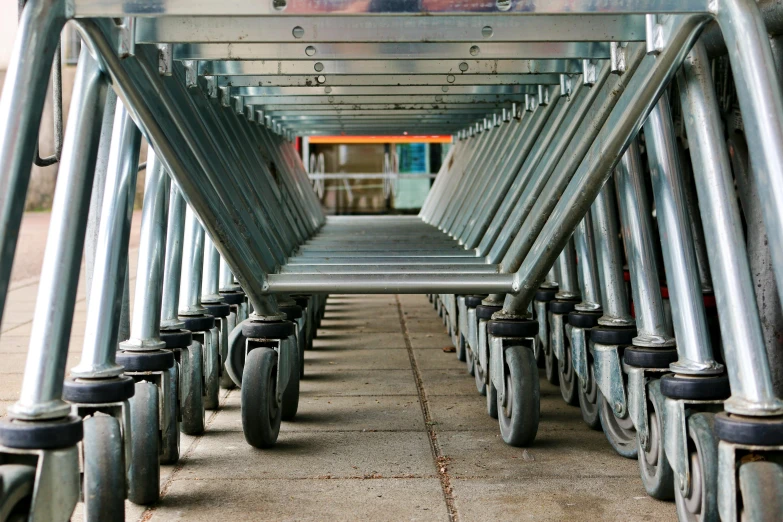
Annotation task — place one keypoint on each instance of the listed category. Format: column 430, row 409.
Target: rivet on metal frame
column 543, row 96
column 617, row 56
column 225, row 96
column 566, row 85
column 531, row 103
column 654, row 34
column 191, row 73
column 127, row 38
column 589, row 72
column 165, row 60
column 212, row 86
column 516, row 111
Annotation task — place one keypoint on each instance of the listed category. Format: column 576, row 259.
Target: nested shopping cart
column 538, row 244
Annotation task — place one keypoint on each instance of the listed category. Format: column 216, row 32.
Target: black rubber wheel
column 569, row 382
column 550, row 363
column 518, row 415
column 538, row 352
column 16, row 492
column 144, row 469
column 700, row 501
column 261, row 414
column 462, row 348
column 170, row 432
column 620, row 433
column 761, row 487
column 589, row 398
column 211, row 350
column 478, row 373
column 301, row 341
column 492, row 400
column 104, row 483
column 654, row 467
column 191, row 389
column 290, row 402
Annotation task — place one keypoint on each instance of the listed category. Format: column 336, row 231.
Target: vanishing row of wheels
column 100, row 434
column 604, row 328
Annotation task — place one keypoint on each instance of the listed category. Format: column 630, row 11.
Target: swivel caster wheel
column 550, row 368
column 569, row 382
column 191, row 389
column 761, row 487
column 654, row 467
column 589, row 398
column 538, row 352
column 698, row 501
column 462, row 349
column 470, row 362
column 211, row 370
column 492, row 400
column 144, row 469
column 104, row 479
column 478, row 373
column 518, row 413
column 290, row 403
column 16, row 491
column 261, row 413
column 620, row 432
column 170, row 433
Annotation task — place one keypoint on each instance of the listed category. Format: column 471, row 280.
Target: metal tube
column 486, row 234
column 482, row 177
column 610, row 259
column 620, row 128
column 211, row 275
column 48, row 349
column 761, row 101
column 752, row 392
column 21, row 106
column 192, row 267
column 586, row 266
column 679, row 258
column 569, row 281
column 473, row 173
column 145, row 328
column 408, row 283
column 248, row 261
column 636, row 218
column 172, row 271
column 227, row 283
column 103, row 312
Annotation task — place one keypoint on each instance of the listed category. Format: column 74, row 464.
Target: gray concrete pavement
column 390, row 427
column 363, row 447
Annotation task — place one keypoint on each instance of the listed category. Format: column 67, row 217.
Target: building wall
column 43, row 179
column 8, row 8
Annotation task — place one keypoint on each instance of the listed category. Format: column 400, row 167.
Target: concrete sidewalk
column 390, row 427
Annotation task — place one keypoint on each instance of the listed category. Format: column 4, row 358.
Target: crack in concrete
column 441, row 461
